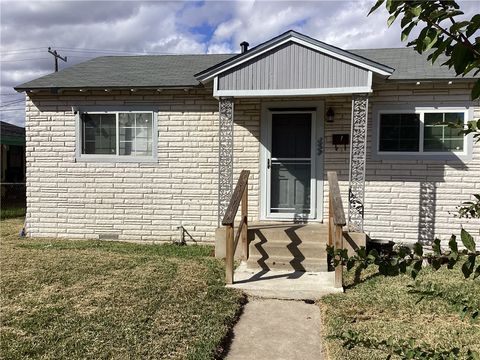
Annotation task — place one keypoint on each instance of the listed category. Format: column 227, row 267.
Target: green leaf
column 430, row 39
column 436, row 247
column 388, row 5
column 467, row 240
column 406, row 31
column 461, row 56
column 476, row 90
column 459, row 25
column 391, row 19
column 417, row 266
column 418, row 249
column 436, row 264
column 415, row 11
column 350, row 263
column 468, row 265
column 376, row 6
column 453, row 244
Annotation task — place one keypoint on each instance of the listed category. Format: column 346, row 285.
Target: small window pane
column 438, row 136
column 399, row 132
column 99, row 134
column 136, row 131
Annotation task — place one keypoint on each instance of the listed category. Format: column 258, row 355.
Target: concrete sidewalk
column 277, row 330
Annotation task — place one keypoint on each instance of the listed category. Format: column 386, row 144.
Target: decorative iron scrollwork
column 358, row 151
column 225, row 155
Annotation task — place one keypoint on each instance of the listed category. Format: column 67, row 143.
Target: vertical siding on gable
column 293, row 66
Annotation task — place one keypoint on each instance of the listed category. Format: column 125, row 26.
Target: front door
column 290, row 165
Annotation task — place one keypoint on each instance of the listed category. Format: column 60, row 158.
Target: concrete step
column 282, row 248
column 287, row 263
column 289, row 233
column 280, row 284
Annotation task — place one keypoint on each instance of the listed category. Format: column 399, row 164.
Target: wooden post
column 229, row 254
column 244, row 230
column 338, row 245
column 330, row 220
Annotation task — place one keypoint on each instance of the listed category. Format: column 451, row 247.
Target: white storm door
column 291, row 166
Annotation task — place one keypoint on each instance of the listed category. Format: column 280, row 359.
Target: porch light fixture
column 330, row 115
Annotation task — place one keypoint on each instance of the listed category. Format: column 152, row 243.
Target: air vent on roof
column 244, row 46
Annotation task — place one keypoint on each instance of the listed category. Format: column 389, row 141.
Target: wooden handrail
column 336, row 217
column 232, row 208
column 240, row 195
column 336, row 199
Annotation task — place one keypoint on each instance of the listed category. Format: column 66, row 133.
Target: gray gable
column 292, row 66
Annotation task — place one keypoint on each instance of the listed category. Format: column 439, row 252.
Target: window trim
column 80, row 157
column 376, row 154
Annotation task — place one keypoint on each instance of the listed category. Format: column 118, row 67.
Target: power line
column 3, row 61
column 16, row 102
column 20, row 50
column 112, row 51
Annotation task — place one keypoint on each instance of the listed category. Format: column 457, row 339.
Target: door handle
column 268, row 163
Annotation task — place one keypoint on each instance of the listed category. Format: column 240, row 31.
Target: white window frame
column 465, row 154
column 117, row 157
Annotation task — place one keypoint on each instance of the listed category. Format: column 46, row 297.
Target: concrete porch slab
column 279, row 284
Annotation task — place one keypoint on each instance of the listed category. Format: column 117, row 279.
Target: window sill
column 116, row 159
column 449, row 156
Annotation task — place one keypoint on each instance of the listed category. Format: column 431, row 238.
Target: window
column 399, row 132
column 438, row 136
column 420, row 132
column 119, row 135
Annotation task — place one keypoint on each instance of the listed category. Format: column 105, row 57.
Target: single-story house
column 136, row 147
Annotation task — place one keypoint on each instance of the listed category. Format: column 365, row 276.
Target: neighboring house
column 133, row 147
column 12, row 155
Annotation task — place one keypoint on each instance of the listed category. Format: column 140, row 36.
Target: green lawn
column 65, row 299
column 384, row 307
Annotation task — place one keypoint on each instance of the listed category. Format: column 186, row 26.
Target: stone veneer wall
column 148, row 201
column 405, row 199
column 136, row 201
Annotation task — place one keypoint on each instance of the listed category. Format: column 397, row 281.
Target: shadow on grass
column 226, row 343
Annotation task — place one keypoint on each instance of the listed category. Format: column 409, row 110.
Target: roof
column 11, row 134
column 157, row 71
column 149, row 71
column 293, row 36
column 408, row 64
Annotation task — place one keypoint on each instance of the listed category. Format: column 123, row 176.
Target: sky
column 82, row 30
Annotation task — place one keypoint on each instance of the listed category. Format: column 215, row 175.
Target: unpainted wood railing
column 336, row 222
column 240, row 195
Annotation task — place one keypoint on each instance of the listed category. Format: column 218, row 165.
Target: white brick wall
column 136, row 201
column 146, row 202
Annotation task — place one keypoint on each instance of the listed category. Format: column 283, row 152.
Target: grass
column 65, row 299
column 11, row 212
column 385, row 307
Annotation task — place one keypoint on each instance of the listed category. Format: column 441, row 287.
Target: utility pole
column 56, row 56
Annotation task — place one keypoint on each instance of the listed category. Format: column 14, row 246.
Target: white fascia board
column 308, row 45
column 292, row 92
